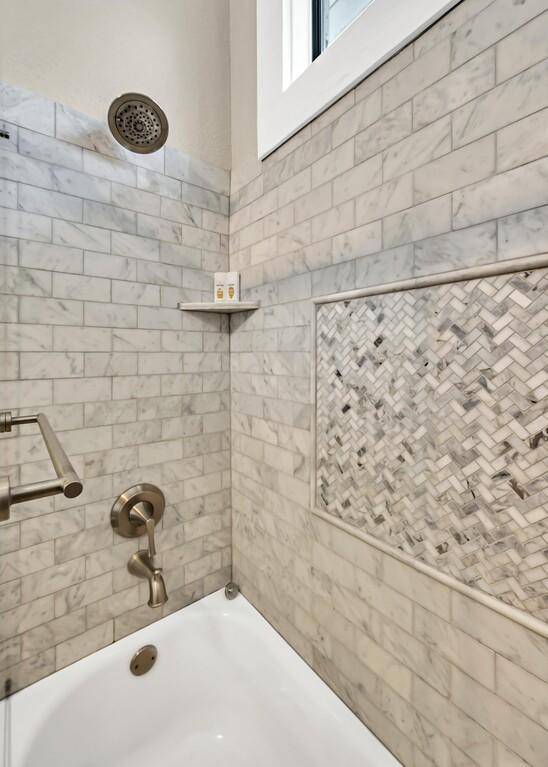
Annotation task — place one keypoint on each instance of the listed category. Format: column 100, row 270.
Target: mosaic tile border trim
column 521, row 616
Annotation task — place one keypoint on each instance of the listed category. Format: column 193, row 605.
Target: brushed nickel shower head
column 138, row 123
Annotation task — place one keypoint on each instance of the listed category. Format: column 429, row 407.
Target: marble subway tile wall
column 97, row 247
column 436, row 161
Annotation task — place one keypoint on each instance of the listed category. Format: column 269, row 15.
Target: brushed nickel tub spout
column 136, row 512
column 141, row 565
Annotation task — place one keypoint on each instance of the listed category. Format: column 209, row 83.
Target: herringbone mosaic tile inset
column 432, row 427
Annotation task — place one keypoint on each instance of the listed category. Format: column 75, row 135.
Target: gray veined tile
column 86, row 288
column 526, row 46
column 8, row 308
column 204, row 198
column 49, row 203
column 195, row 171
column 492, row 24
column 425, row 220
column 29, row 170
column 358, row 242
column 52, row 311
column 460, row 168
column 8, row 193
column 456, row 250
column 417, row 76
column 180, row 255
column 135, row 199
column 135, row 293
column 110, row 217
column 110, row 315
column 24, row 617
column 81, row 339
column 24, row 169
column 48, row 149
column 510, row 101
column 387, row 131
column 358, row 180
column 8, row 251
column 51, row 365
column 159, row 184
column 19, row 337
column 109, row 265
column 90, row 641
column 464, row 84
column 420, row 147
column 15, row 223
column 133, row 246
column 25, row 109
column 523, row 234
column 28, row 671
column 48, row 635
column 357, row 118
column 522, row 141
column 55, row 258
column 10, row 652
column 110, row 168
column 87, row 132
column 388, row 198
column 506, row 193
column 81, row 236
column 52, row 579
column 25, row 561
column 158, row 228
column 9, row 139
column 181, row 211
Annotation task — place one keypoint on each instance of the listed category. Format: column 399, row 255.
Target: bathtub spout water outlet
column 141, row 564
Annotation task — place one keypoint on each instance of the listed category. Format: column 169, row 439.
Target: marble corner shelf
column 241, row 306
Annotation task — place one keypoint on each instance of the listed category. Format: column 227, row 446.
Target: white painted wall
column 84, row 53
column 243, row 88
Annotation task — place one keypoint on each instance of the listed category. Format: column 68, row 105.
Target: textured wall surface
column 98, row 245
column 434, row 162
column 431, row 427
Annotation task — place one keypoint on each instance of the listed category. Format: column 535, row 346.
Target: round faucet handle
column 135, row 507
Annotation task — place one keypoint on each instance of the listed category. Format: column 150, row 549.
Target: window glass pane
column 337, row 15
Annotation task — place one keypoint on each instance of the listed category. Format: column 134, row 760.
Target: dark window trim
column 317, row 14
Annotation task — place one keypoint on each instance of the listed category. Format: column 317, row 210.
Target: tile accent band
column 458, row 275
column 514, row 265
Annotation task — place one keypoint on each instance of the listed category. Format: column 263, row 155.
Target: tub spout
column 136, row 512
column 142, row 565
column 158, row 593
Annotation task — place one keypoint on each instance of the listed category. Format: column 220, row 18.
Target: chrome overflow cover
column 143, row 660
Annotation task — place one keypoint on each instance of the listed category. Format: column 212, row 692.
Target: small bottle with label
column 220, row 287
column 232, row 287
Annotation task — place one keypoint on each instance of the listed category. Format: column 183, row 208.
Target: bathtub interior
column 225, row 689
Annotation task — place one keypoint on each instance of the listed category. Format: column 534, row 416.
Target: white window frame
column 383, row 28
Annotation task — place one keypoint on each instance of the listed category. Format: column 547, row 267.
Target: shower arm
column 68, row 482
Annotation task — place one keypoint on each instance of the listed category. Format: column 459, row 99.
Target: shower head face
column 138, row 123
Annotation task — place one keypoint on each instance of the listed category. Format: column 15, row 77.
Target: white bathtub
column 226, row 691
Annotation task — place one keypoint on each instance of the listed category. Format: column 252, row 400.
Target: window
column 295, row 83
column 330, row 18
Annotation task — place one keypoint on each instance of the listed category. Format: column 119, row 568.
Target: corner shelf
column 218, row 307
